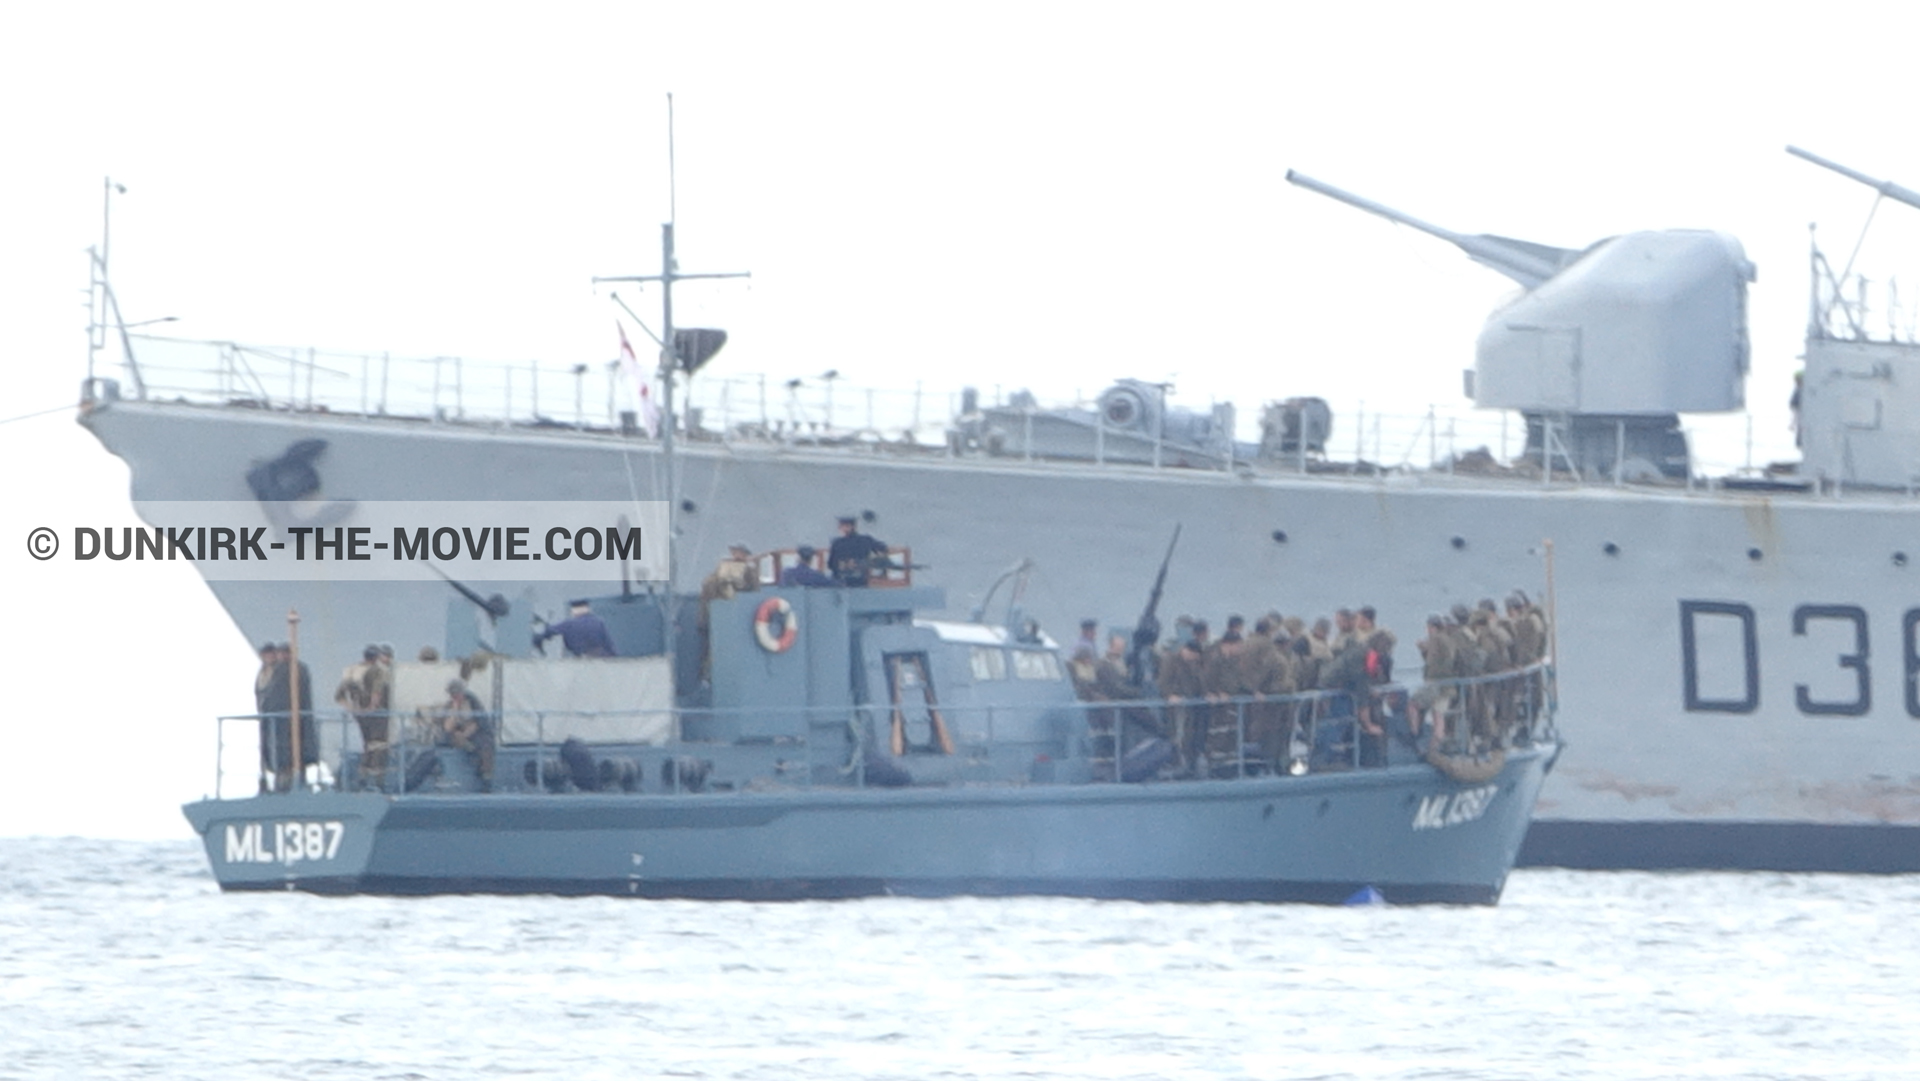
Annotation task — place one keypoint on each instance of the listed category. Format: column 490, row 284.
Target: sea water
column 122, row 959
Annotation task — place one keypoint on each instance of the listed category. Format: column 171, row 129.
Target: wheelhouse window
column 989, row 663
column 1035, row 664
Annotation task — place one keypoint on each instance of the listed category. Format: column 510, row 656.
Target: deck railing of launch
column 1320, row 731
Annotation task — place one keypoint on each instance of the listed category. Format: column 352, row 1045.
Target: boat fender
column 763, row 625
column 550, row 775
column 1468, row 769
column 883, row 772
column 581, row 768
column 684, row 773
column 620, row 773
column 1145, row 761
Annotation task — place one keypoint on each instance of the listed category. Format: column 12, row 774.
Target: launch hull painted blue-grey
column 1405, row 830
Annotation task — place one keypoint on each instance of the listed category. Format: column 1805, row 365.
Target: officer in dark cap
column 276, row 709
column 854, row 555
column 803, row 573
column 583, row 633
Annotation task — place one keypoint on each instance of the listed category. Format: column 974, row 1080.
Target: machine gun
column 1885, row 187
column 1525, row 262
column 1146, row 633
column 495, row 606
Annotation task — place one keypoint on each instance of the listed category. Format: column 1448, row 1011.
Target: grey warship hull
column 1733, row 709
column 1405, row 830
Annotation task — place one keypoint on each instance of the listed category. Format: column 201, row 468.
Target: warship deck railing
column 600, row 399
column 1218, row 738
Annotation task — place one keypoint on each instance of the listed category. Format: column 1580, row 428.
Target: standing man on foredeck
column 582, row 633
column 276, row 712
column 852, row 558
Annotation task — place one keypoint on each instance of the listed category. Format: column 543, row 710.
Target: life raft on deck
column 1467, row 768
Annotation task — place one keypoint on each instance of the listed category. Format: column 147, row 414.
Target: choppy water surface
column 123, row 960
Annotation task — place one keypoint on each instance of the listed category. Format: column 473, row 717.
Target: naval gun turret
column 1607, row 345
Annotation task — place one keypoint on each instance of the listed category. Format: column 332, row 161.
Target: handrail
column 749, row 410
column 727, row 409
column 1322, row 730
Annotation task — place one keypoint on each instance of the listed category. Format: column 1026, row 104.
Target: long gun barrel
column 1525, row 262
column 1885, row 187
column 1146, row 633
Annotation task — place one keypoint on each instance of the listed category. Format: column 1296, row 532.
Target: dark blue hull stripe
column 1723, row 846
column 841, row 888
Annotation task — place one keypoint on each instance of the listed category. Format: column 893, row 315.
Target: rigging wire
column 41, row 413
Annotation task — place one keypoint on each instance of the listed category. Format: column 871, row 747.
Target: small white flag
column 643, row 387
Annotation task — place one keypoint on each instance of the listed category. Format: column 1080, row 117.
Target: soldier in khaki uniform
column 365, row 689
column 1266, row 671
column 1319, row 653
column 1343, row 627
column 1110, row 673
column 1529, row 630
column 1220, row 674
column 1321, row 638
column 738, row 573
column 1347, row 672
column 1529, row 647
column 1083, row 669
column 1110, row 684
column 1441, row 663
column 463, row 723
column 1491, row 631
column 1183, row 684
column 1293, row 627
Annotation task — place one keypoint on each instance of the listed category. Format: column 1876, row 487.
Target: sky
column 1007, row 195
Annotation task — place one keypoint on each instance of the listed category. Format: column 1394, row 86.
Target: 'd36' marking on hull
column 1739, row 669
column 291, row 842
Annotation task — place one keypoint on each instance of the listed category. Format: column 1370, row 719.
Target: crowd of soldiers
column 1220, row 691
column 1473, row 642
column 365, row 692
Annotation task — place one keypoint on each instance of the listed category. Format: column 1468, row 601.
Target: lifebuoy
column 763, row 625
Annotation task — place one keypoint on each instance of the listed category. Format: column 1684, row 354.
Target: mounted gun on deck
column 1146, row 633
column 1525, row 262
column 1886, row 188
column 1606, row 345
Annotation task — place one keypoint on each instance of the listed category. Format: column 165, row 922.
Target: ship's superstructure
column 1737, row 654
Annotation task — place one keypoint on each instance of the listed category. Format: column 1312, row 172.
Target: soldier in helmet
column 365, row 689
column 466, row 725
column 1529, row 630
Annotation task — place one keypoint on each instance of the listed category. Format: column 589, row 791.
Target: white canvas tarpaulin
column 419, row 689
column 599, row 700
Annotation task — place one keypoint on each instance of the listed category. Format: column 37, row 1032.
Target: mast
column 670, row 362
